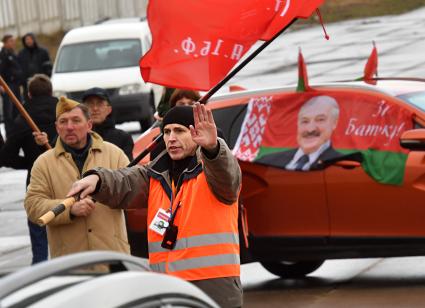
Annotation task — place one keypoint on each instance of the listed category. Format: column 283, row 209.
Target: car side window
column 229, row 120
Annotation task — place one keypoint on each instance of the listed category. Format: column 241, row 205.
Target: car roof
column 108, row 20
column 107, row 31
column 389, row 86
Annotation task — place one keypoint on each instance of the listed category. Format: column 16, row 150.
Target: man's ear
column 90, row 124
column 110, row 109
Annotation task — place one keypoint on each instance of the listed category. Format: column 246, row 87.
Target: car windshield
column 98, row 55
column 416, row 99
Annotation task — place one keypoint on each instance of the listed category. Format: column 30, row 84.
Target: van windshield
column 99, row 55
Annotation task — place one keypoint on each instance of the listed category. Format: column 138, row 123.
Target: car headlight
column 133, row 89
column 59, row 93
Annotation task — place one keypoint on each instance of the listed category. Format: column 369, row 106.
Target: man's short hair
column 85, row 110
column 6, row 37
column 39, row 85
column 180, row 93
column 323, row 99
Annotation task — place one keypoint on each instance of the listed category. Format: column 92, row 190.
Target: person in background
column 163, row 105
column 87, row 224
column 1, row 140
column 41, row 108
column 182, row 97
column 97, row 100
column 191, row 191
column 33, row 60
column 11, row 71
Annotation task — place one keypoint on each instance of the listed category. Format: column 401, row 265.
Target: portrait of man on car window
column 316, row 121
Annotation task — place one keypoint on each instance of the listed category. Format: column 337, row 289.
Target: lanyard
column 173, row 195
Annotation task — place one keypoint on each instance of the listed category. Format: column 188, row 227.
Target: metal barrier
column 18, row 17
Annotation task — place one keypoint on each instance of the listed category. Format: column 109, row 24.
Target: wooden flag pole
column 21, row 108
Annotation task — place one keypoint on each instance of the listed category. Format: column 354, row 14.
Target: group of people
column 195, row 175
column 16, row 68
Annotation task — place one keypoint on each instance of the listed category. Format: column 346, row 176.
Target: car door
column 283, row 203
column 363, row 203
column 279, row 203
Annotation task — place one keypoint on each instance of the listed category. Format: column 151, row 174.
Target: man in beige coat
column 86, row 225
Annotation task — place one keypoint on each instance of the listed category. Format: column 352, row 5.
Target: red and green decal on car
column 368, row 122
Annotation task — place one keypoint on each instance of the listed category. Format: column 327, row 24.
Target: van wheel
column 292, row 269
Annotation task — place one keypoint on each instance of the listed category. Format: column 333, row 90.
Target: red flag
column 196, row 43
column 236, row 88
column 371, row 67
column 286, row 11
column 303, row 85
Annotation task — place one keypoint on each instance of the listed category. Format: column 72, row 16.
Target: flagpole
column 21, row 108
column 241, row 65
column 204, row 99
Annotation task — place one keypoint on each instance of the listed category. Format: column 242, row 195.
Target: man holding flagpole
column 191, row 192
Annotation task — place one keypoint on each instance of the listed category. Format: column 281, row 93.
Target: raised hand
column 204, row 133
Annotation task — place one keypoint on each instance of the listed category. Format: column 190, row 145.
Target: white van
column 107, row 55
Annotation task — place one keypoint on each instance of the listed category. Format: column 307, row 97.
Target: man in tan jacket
column 86, row 225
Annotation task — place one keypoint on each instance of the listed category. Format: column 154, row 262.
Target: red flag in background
column 371, row 67
column 303, row 85
column 286, row 11
column 197, row 42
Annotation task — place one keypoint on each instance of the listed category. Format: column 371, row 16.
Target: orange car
column 336, row 172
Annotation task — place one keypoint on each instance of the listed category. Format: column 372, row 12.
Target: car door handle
column 348, row 164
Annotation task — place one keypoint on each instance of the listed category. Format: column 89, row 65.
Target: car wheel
column 292, row 269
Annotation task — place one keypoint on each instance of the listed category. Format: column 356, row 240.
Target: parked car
column 69, row 282
column 366, row 202
column 106, row 55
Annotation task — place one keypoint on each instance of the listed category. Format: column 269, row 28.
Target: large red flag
column 197, row 42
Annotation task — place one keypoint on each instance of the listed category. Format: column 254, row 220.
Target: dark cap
column 182, row 115
column 96, row 92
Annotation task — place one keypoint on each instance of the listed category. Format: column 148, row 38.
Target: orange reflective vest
column 207, row 242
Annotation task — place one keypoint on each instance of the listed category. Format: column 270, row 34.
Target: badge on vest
column 160, row 222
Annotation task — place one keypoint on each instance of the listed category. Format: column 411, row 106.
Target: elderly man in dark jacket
column 97, row 100
column 41, row 108
column 33, row 60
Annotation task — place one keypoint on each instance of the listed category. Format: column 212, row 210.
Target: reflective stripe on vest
column 158, row 267
column 200, row 262
column 207, row 245
column 197, row 241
